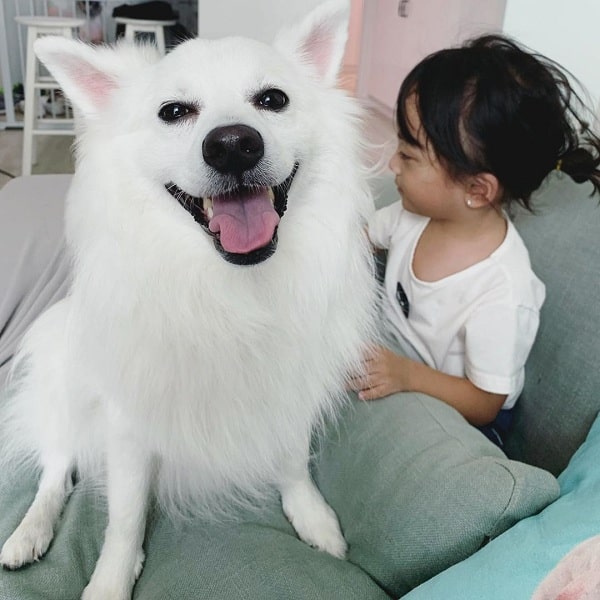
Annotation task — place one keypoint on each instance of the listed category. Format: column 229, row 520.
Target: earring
column 469, row 203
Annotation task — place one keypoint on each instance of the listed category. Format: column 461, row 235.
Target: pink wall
column 349, row 75
column 351, row 58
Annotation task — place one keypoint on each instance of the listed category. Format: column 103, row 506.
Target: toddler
column 479, row 126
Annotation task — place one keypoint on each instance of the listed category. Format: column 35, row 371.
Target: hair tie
column 558, row 164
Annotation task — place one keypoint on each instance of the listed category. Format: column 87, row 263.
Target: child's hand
column 385, row 373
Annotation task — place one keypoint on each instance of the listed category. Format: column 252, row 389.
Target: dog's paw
column 325, row 534
column 108, row 588
column 139, row 564
column 114, row 579
column 27, row 544
column 315, row 521
column 105, row 590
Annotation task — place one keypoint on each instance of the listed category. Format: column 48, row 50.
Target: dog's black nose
column 233, row 148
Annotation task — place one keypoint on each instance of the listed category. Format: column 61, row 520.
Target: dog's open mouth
column 243, row 222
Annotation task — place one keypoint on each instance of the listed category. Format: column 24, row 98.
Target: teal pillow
column 513, row 565
column 417, row 489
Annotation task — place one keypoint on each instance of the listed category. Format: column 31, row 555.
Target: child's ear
column 482, row 190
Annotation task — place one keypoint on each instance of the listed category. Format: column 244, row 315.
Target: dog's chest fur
column 228, row 367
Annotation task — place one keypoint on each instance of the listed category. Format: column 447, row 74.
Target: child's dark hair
column 491, row 106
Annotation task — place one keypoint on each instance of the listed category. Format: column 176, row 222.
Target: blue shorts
column 496, row 431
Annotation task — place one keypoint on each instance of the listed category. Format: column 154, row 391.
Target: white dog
column 222, row 287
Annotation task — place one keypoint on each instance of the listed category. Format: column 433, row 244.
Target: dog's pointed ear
column 79, row 71
column 88, row 75
column 319, row 39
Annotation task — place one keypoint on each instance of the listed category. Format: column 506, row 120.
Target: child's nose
column 394, row 164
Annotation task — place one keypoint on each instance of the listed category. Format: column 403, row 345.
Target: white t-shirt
column 479, row 323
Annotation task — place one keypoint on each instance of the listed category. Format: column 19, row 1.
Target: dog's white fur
column 167, row 369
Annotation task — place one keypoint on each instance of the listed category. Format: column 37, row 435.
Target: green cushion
column 417, row 489
column 259, row 558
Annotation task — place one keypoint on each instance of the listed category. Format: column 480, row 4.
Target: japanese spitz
column 222, row 287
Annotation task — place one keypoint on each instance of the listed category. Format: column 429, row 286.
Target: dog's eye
column 174, row 111
column 271, row 100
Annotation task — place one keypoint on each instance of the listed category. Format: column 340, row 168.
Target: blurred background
column 386, row 38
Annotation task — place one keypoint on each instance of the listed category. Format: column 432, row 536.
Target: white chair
column 133, row 26
column 33, row 124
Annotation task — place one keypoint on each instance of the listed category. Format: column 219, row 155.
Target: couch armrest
column 33, row 265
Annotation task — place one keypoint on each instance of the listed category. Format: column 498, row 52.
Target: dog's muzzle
column 243, row 222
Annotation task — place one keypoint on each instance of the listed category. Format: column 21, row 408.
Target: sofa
column 431, row 509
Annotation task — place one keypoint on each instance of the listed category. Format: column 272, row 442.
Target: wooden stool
column 33, row 125
column 133, row 26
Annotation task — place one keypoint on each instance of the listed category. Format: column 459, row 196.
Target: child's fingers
column 373, row 393
column 372, row 353
column 357, row 383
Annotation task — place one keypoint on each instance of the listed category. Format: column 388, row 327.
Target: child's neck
column 448, row 247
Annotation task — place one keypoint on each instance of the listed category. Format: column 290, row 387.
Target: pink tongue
column 245, row 223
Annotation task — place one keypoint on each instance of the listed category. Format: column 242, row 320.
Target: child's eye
column 404, row 156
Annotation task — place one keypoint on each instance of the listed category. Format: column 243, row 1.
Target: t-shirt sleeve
column 498, row 339
column 383, row 223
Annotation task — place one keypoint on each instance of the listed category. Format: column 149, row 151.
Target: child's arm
column 387, row 373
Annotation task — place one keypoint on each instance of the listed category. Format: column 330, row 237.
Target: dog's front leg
column 129, row 471
column 313, row 519
column 33, row 536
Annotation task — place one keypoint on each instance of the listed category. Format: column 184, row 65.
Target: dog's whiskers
column 186, row 200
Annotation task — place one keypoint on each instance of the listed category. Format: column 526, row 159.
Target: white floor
column 54, row 152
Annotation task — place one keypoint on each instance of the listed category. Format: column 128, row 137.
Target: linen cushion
column 418, row 489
